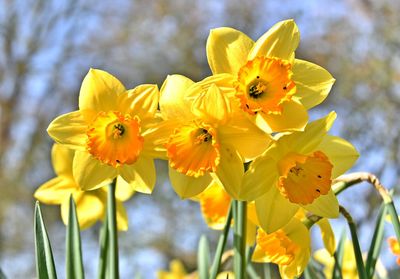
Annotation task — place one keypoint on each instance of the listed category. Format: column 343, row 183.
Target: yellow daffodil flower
column 214, row 205
column 206, row 137
column 394, row 248
column 113, row 132
column 289, row 247
column 297, row 171
column 272, row 86
column 90, row 205
column 177, row 271
column 349, row 266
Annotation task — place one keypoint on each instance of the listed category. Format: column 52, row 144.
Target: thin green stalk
column 239, row 239
column 112, row 231
column 221, row 245
column 356, row 245
column 376, row 242
column 103, row 258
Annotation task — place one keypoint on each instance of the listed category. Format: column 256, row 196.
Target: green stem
column 112, row 231
column 239, row 239
column 103, row 259
column 356, row 245
column 221, row 245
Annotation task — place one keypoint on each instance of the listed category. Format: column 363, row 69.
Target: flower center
column 114, row 138
column 264, row 84
column 277, row 246
column 193, row 149
column 304, row 178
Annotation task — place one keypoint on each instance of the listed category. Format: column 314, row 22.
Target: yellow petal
column 156, row 134
column 230, row 171
column 173, row 104
column 122, row 217
column 309, row 140
column 90, row 173
column 294, row 117
column 61, row 159
column 328, row 237
column 140, row 175
column 341, row 153
column 261, row 176
column 225, row 83
column 100, row 91
column 187, row 186
column 55, row 190
column 212, row 106
column 245, row 137
column 214, row 205
column 325, row 206
column 141, row 101
column 70, row 130
column 90, row 208
column 227, row 50
column 280, row 41
column 313, row 83
column 274, row 211
column 123, row 190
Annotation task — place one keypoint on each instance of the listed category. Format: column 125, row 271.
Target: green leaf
column 395, row 218
column 203, row 258
column 376, row 242
column 362, row 274
column 103, row 260
column 74, row 265
column 44, row 256
column 337, row 270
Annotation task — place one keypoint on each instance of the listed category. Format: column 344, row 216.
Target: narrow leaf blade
column 44, row 256
column 74, row 264
column 203, row 257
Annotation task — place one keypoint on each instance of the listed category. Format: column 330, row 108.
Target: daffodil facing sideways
column 90, row 205
column 297, row 171
column 214, row 206
column 290, row 246
column 273, row 87
column 114, row 133
column 207, row 138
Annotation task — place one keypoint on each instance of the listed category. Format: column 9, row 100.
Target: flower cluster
column 242, row 133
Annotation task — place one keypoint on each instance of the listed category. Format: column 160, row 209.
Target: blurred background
column 47, row 47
